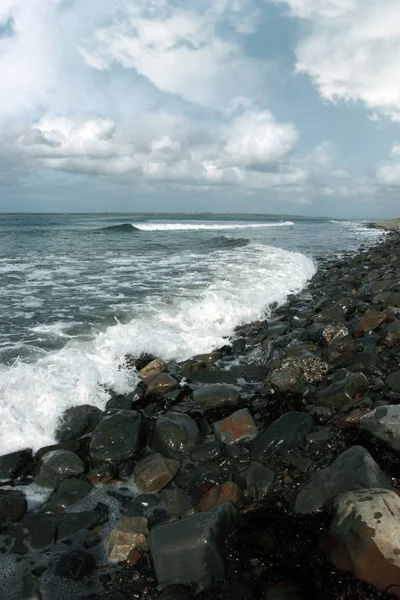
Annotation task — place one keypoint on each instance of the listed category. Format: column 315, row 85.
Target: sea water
column 79, row 292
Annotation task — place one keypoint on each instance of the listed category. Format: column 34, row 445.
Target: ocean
column 79, row 292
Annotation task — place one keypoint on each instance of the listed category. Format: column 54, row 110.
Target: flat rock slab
column 354, row 469
column 128, row 534
column 175, row 434
column 384, row 423
column 216, row 396
column 58, row 465
column 364, row 536
column 154, row 472
column 288, row 432
column 116, row 438
column 239, row 428
column 41, row 530
column 191, row 550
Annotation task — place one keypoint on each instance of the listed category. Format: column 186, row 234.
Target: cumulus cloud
column 162, row 147
column 388, row 173
column 351, row 50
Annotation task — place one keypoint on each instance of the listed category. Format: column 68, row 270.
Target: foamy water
column 207, row 227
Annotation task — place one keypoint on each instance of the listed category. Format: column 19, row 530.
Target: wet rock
column 155, row 367
column 281, row 591
column 393, row 381
column 12, row 464
column 301, row 463
column 207, row 452
column 334, row 332
column 42, row 530
column 354, row 469
column 31, row 587
column 75, row 565
column 56, row 466
column 119, row 402
column 340, row 350
column 116, row 438
column 384, row 423
column 343, row 390
column 393, row 300
column 143, row 505
column 191, row 550
column 287, row 378
column 155, row 472
column 316, row 332
column 176, row 501
column 76, row 421
column 288, row 432
column 371, row 320
column 210, row 358
column 226, row 492
column 175, row 592
column 236, row 429
column 128, row 534
column 364, row 537
column 175, row 434
column 160, row 384
column 216, row 396
column 74, row 446
column 256, row 479
column 103, row 474
column 12, row 508
column 69, row 492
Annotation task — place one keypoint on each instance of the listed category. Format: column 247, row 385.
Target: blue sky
column 283, row 106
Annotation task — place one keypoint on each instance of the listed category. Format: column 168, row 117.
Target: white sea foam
column 360, row 229
column 195, row 318
column 207, row 227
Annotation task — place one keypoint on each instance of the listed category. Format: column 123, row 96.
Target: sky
column 267, row 106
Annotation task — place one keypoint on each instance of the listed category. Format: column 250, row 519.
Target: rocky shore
column 268, row 469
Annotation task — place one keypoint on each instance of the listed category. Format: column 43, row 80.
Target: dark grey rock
column 43, row 530
column 176, row 501
column 216, row 396
column 76, row 421
column 288, row 378
column 207, row 452
column 116, row 438
column 354, row 469
column 68, row 492
column 75, row 565
column 12, row 508
column 190, row 550
column 384, row 423
column 256, row 479
column 119, row 402
column 341, row 392
column 12, row 464
column 393, row 381
column 56, row 466
column 175, row 434
column 142, row 506
column 288, row 432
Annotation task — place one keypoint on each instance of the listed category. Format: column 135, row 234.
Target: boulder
column 208, row 452
column 12, row 508
column 354, row 469
column 128, row 534
column 76, row 421
column 393, row 381
column 226, row 492
column 12, row 464
column 343, row 389
column 288, row 432
column 239, row 428
column 154, row 472
column 176, row 501
column 364, row 537
column 155, row 367
column 287, row 378
column 68, row 492
column 160, row 384
column 175, row 434
column 255, row 479
column 56, row 466
column 116, row 438
column 384, row 423
column 371, row 320
column 216, row 396
column 191, row 550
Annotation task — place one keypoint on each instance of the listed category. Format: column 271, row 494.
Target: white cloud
column 352, row 50
column 388, row 173
column 161, row 147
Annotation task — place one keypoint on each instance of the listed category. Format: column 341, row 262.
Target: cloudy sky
column 284, row 106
